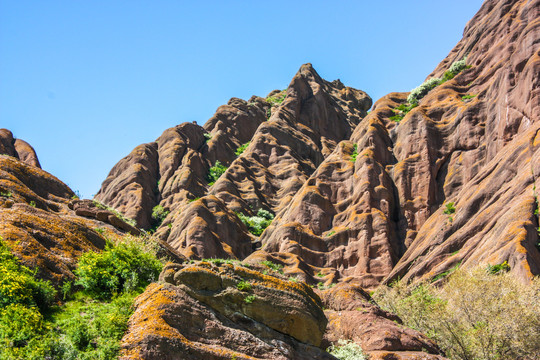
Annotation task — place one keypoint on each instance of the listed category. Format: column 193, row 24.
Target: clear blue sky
column 84, row 82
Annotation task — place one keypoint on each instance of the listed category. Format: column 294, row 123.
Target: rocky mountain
column 360, row 196
column 281, row 213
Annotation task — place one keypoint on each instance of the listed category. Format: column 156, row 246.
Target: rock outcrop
column 359, row 199
column 17, row 148
column 353, row 315
column 39, row 222
column 225, row 310
column 283, row 151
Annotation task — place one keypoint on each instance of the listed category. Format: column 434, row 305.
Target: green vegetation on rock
column 473, row 314
column 89, row 325
column 355, row 153
column 273, row 266
column 347, row 350
column 215, row 172
column 257, row 224
column 159, row 214
column 242, row 148
column 115, row 212
column 401, row 111
column 421, row 91
column 121, row 268
column 275, row 100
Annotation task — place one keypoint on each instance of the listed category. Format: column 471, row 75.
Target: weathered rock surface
column 352, row 315
column 283, row 151
column 38, row 223
column 480, row 154
column 359, row 199
column 222, row 311
column 17, row 148
column 382, row 216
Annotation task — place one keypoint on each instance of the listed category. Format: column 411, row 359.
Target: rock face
column 352, row 315
column 283, row 151
column 17, row 148
column 38, row 221
column 225, row 310
column 359, row 199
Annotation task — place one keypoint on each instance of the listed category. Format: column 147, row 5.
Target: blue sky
column 84, row 82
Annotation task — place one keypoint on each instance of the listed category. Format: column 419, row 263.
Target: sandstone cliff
column 416, row 187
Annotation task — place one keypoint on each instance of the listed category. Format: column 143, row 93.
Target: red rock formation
column 479, row 153
column 352, row 315
column 202, row 312
column 17, row 148
column 314, row 116
column 365, row 199
column 40, row 228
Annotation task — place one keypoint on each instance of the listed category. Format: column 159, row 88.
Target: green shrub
column 83, row 328
column 243, row 286
column 207, row 136
column 401, row 111
column 257, row 224
column 159, row 214
column 450, row 208
column 421, row 91
column 119, row 268
column 277, row 99
column 215, row 172
column 347, row 350
column 18, row 284
column 468, row 96
column 498, row 269
column 273, row 266
column 6, row 193
column 355, row 153
column 242, row 148
column 19, row 323
column 249, row 299
column 91, row 329
column 473, row 315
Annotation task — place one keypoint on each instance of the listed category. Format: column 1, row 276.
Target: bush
column 83, row 328
column 421, row 91
column 120, row 268
column 275, row 267
column 449, row 208
column 215, row 172
column 18, row 284
column 257, row 224
column 347, row 350
column 474, row 315
column 92, row 330
column 19, row 323
column 243, row 286
column 159, row 214
column 355, row 153
column 242, row 148
column 277, row 99
column 401, row 111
